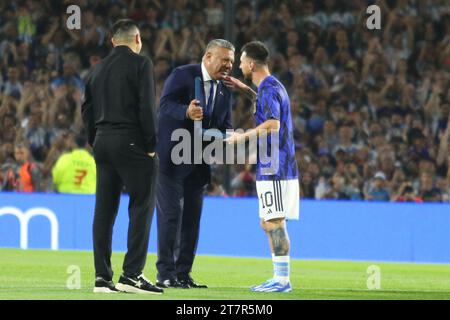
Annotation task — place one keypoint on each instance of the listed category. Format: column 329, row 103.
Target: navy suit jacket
column 178, row 92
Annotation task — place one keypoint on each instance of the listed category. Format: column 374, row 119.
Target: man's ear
column 137, row 39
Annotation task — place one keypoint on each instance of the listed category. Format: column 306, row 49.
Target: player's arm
column 239, row 86
column 265, row 129
column 271, row 110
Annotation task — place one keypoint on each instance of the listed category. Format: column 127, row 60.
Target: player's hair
column 124, row 29
column 220, row 43
column 257, row 51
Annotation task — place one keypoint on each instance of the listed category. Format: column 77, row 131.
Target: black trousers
column 178, row 205
column 120, row 160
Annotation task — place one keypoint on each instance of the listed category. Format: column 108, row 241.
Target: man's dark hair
column 257, row 51
column 124, row 28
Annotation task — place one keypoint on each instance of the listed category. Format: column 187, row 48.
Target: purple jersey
column 272, row 102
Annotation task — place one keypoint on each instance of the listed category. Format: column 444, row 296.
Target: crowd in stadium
column 370, row 107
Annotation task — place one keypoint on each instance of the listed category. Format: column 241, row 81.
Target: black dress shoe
column 168, row 283
column 190, row 283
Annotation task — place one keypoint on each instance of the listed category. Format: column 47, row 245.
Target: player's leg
column 278, row 200
column 277, row 235
column 276, row 232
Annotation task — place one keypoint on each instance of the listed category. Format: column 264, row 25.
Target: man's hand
column 194, row 111
column 151, row 154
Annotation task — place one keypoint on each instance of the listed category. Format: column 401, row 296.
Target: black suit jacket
column 120, row 97
column 178, row 92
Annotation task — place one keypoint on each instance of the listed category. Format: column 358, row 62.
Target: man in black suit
column 119, row 114
column 180, row 187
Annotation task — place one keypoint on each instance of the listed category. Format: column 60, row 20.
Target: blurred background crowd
column 371, row 108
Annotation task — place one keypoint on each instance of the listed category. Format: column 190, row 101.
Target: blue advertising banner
column 378, row 231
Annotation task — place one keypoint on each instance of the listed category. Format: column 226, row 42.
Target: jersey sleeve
column 271, row 104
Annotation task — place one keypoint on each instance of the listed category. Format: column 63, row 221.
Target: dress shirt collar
column 205, row 74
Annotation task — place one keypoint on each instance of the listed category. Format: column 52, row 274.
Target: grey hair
column 220, row 43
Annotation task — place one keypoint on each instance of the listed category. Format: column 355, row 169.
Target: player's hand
column 195, row 112
column 234, row 83
column 236, row 137
column 151, row 154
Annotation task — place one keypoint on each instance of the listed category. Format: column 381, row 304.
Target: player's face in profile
column 245, row 66
column 219, row 62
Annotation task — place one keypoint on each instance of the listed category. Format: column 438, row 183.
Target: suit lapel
column 203, row 95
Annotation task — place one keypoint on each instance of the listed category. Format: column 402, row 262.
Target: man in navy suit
column 180, row 187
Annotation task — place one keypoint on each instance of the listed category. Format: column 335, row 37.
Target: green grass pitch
column 41, row 274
